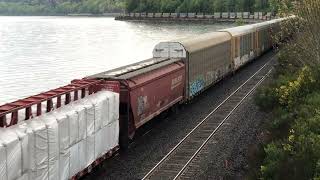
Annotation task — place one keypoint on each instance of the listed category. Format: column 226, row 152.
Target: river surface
column 41, row 53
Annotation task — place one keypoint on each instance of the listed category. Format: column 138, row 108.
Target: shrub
column 290, row 93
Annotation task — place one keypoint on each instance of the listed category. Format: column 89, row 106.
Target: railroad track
column 174, row 164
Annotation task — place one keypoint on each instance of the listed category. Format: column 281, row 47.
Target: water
column 42, row 53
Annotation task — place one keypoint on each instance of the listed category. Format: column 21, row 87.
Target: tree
column 220, row 5
column 132, row 5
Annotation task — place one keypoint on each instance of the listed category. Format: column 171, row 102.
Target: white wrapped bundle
column 89, row 111
column 82, row 154
column 74, row 160
column 25, row 176
column 99, row 146
column 90, row 149
column 64, row 139
column 12, row 146
column 114, row 134
column 63, row 126
column 111, row 136
column 3, row 162
column 99, row 102
column 28, row 149
column 70, row 111
column 106, row 110
column 113, row 112
column 64, row 160
column 73, row 127
column 21, row 131
column 116, row 106
column 81, row 124
column 38, row 146
column 110, row 108
column 105, row 141
column 53, row 144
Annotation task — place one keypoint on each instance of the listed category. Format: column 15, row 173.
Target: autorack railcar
column 206, row 58
column 263, row 37
column 242, row 44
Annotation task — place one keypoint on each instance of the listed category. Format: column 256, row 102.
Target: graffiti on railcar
column 196, row 86
column 211, row 76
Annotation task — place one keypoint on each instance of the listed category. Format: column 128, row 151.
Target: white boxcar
column 157, row 15
column 166, row 15
column 225, row 15
column 217, row 15
column 191, row 15
column 239, row 15
column 245, row 15
column 150, row 15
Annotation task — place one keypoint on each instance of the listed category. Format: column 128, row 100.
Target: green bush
column 275, row 157
column 61, row 8
column 266, row 99
column 297, row 156
column 204, row 6
column 294, row 103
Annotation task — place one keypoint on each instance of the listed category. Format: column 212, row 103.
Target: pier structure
column 201, row 17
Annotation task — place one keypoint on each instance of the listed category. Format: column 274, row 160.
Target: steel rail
column 221, row 123
column 201, row 122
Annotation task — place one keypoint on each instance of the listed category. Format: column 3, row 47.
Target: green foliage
column 294, row 101
column 275, row 155
column 240, row 22
column 62, row 7
column 293, row 97
column 297, row 156
column 266, row 99
column 291, row 92
column 204, row 6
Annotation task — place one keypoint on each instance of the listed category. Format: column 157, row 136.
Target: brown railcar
column 147, row 89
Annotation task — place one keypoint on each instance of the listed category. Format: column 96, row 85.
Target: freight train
column 182, row 69
column 72, row 128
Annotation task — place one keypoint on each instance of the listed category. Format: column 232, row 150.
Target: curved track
column 174, row 164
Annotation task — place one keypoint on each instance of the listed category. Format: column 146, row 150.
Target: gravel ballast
column 226, row 154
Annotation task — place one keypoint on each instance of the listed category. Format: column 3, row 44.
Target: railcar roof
column 135, row 69
column 203, row 41
column 239, row 30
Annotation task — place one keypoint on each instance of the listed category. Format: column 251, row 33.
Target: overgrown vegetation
column 204, row 6
column 293, row 99
column 53, row 7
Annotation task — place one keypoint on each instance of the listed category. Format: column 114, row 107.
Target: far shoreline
column 68, row 15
